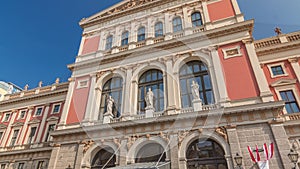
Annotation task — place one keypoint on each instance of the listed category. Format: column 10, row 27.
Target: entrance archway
column 205, row 154
column 151, row 152
column 104, row 158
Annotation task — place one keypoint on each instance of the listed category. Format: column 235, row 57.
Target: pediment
column 119, row 7
column 18, row 124
column 3, row 126
column 283, row 82
column 34, row 121
column 53, row 118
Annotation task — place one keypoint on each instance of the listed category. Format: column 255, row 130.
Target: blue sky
column 39, row 38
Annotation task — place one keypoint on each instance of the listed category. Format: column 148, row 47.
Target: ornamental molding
column 87, row 145
column 294, row 60
column 53, row 118
column 283, row 82
column 3, row 126
column 17, row 124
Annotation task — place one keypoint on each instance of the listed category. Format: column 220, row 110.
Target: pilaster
column 168, row 26
column 234, row 143
column 25, row 127
column 174, row 149
column 63, row 118
column 54, row 157
column 123, row 153
column 262, row 83
column 171, row 106
column 296, row 67
column 238, row 13
column 127, row 94
column 187, row 24
column 42, row 125
column 91, row 104
column 207, row 21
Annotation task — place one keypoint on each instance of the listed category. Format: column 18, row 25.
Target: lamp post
column 293, row 156
column 238, row 160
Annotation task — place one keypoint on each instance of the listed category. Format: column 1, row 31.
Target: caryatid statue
column 149, row 99
column 195, row 90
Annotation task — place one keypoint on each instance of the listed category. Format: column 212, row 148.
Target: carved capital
column 222, row 132
column 294, row 60
column 248, row 41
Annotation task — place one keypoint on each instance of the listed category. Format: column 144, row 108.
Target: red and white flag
column 268, row 152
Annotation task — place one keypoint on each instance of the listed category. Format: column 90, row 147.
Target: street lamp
column 238, row 160
column 293, row 156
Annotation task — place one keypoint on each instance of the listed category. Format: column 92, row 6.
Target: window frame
column 197, row 19
column 141, row 36
column 125, row 39
column 160, row 30
column 36, row 110
column 145, row 85
column 193, row 75
column 32, row 140
column 176, row 25
column 53, row 108
column 290, row 102
column 20, row 112
column 47, row 137
column 109, row 44
column 270, row 66
column 4, row 117
column 292, row 87
column 22, row 165
column 40, row 164
column 2, row 166
column 13, row 138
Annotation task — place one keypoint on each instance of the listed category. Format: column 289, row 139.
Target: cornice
column 229, row 111
column 278, row 48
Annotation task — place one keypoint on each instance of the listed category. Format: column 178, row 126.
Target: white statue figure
column 110, row 104
column 10, row 89
column 149, row 99
column 195, row 90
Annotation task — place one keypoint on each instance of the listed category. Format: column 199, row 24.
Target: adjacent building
column 176, row 84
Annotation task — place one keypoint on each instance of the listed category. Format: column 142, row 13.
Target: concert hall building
column 249, row 94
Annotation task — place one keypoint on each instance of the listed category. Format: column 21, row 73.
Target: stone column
column 127, row 94
column 174, row 150
column 132, row 36
column 54, row 157
column 42, row 125
column 295, row 66
column 63, row 118
column 79, row 156
column 150, row 31
column 133, row 99
column 91, row 104
column 187, row 23
column 282, row 144
column 207, row 21
column 117, row 40
column 168, row 26
column 123, row 153
column 238, row 13
column 234, row 143
column 219, row 75
column 262, row 83
column 102, row 42
column 171, row 106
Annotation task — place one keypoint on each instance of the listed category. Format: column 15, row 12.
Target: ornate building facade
column 161, row 84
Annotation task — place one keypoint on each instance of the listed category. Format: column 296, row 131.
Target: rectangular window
column 3, row 166
column 38, row 111
column 277, row 70
column 31, row 135
column 21, row 166
column 291, row 105
column 40, row 165
column 14, row 137
column 22, row 114
column 51, row 127
column 6, row 117
column 56, row 108
column 1, row 133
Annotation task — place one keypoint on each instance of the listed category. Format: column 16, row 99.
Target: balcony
column 292, row 117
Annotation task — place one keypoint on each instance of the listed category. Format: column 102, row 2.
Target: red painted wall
column 78, row 102
column 90, row 45
column 239, row 76
column 289, row 70
column 220, row 10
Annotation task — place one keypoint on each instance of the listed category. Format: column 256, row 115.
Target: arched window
column 177, row 24
column 151, row 152
column 109, row 41
column 195, row 71
column 105, row 158
column 141, row 34
column 151, row 79
column 113, row 87
column 124, row 40
column 196, row 19
column 205, row 153
column 159, row 29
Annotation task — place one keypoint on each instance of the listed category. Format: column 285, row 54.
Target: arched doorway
column 205, row 154
column 151, row 152
column 104, row 158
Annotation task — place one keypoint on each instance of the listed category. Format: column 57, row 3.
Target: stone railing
column 198, row 29
column 266, row 43
column 293, row 37
column 140, row 44
column 25, row 146
column 123, row 48
column 178, row 35
column 293, row 116
column 159, row 39
column 187, row 110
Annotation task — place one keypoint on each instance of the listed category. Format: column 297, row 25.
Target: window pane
column 207, row 82
column 185, row 101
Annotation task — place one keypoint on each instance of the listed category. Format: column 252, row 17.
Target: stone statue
column 26, row 87
column 10, row 89
column 277, row 30
column 195, row 90
column 57, row 80
column 110, row 104
column 149, row 99
column 40, row 84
